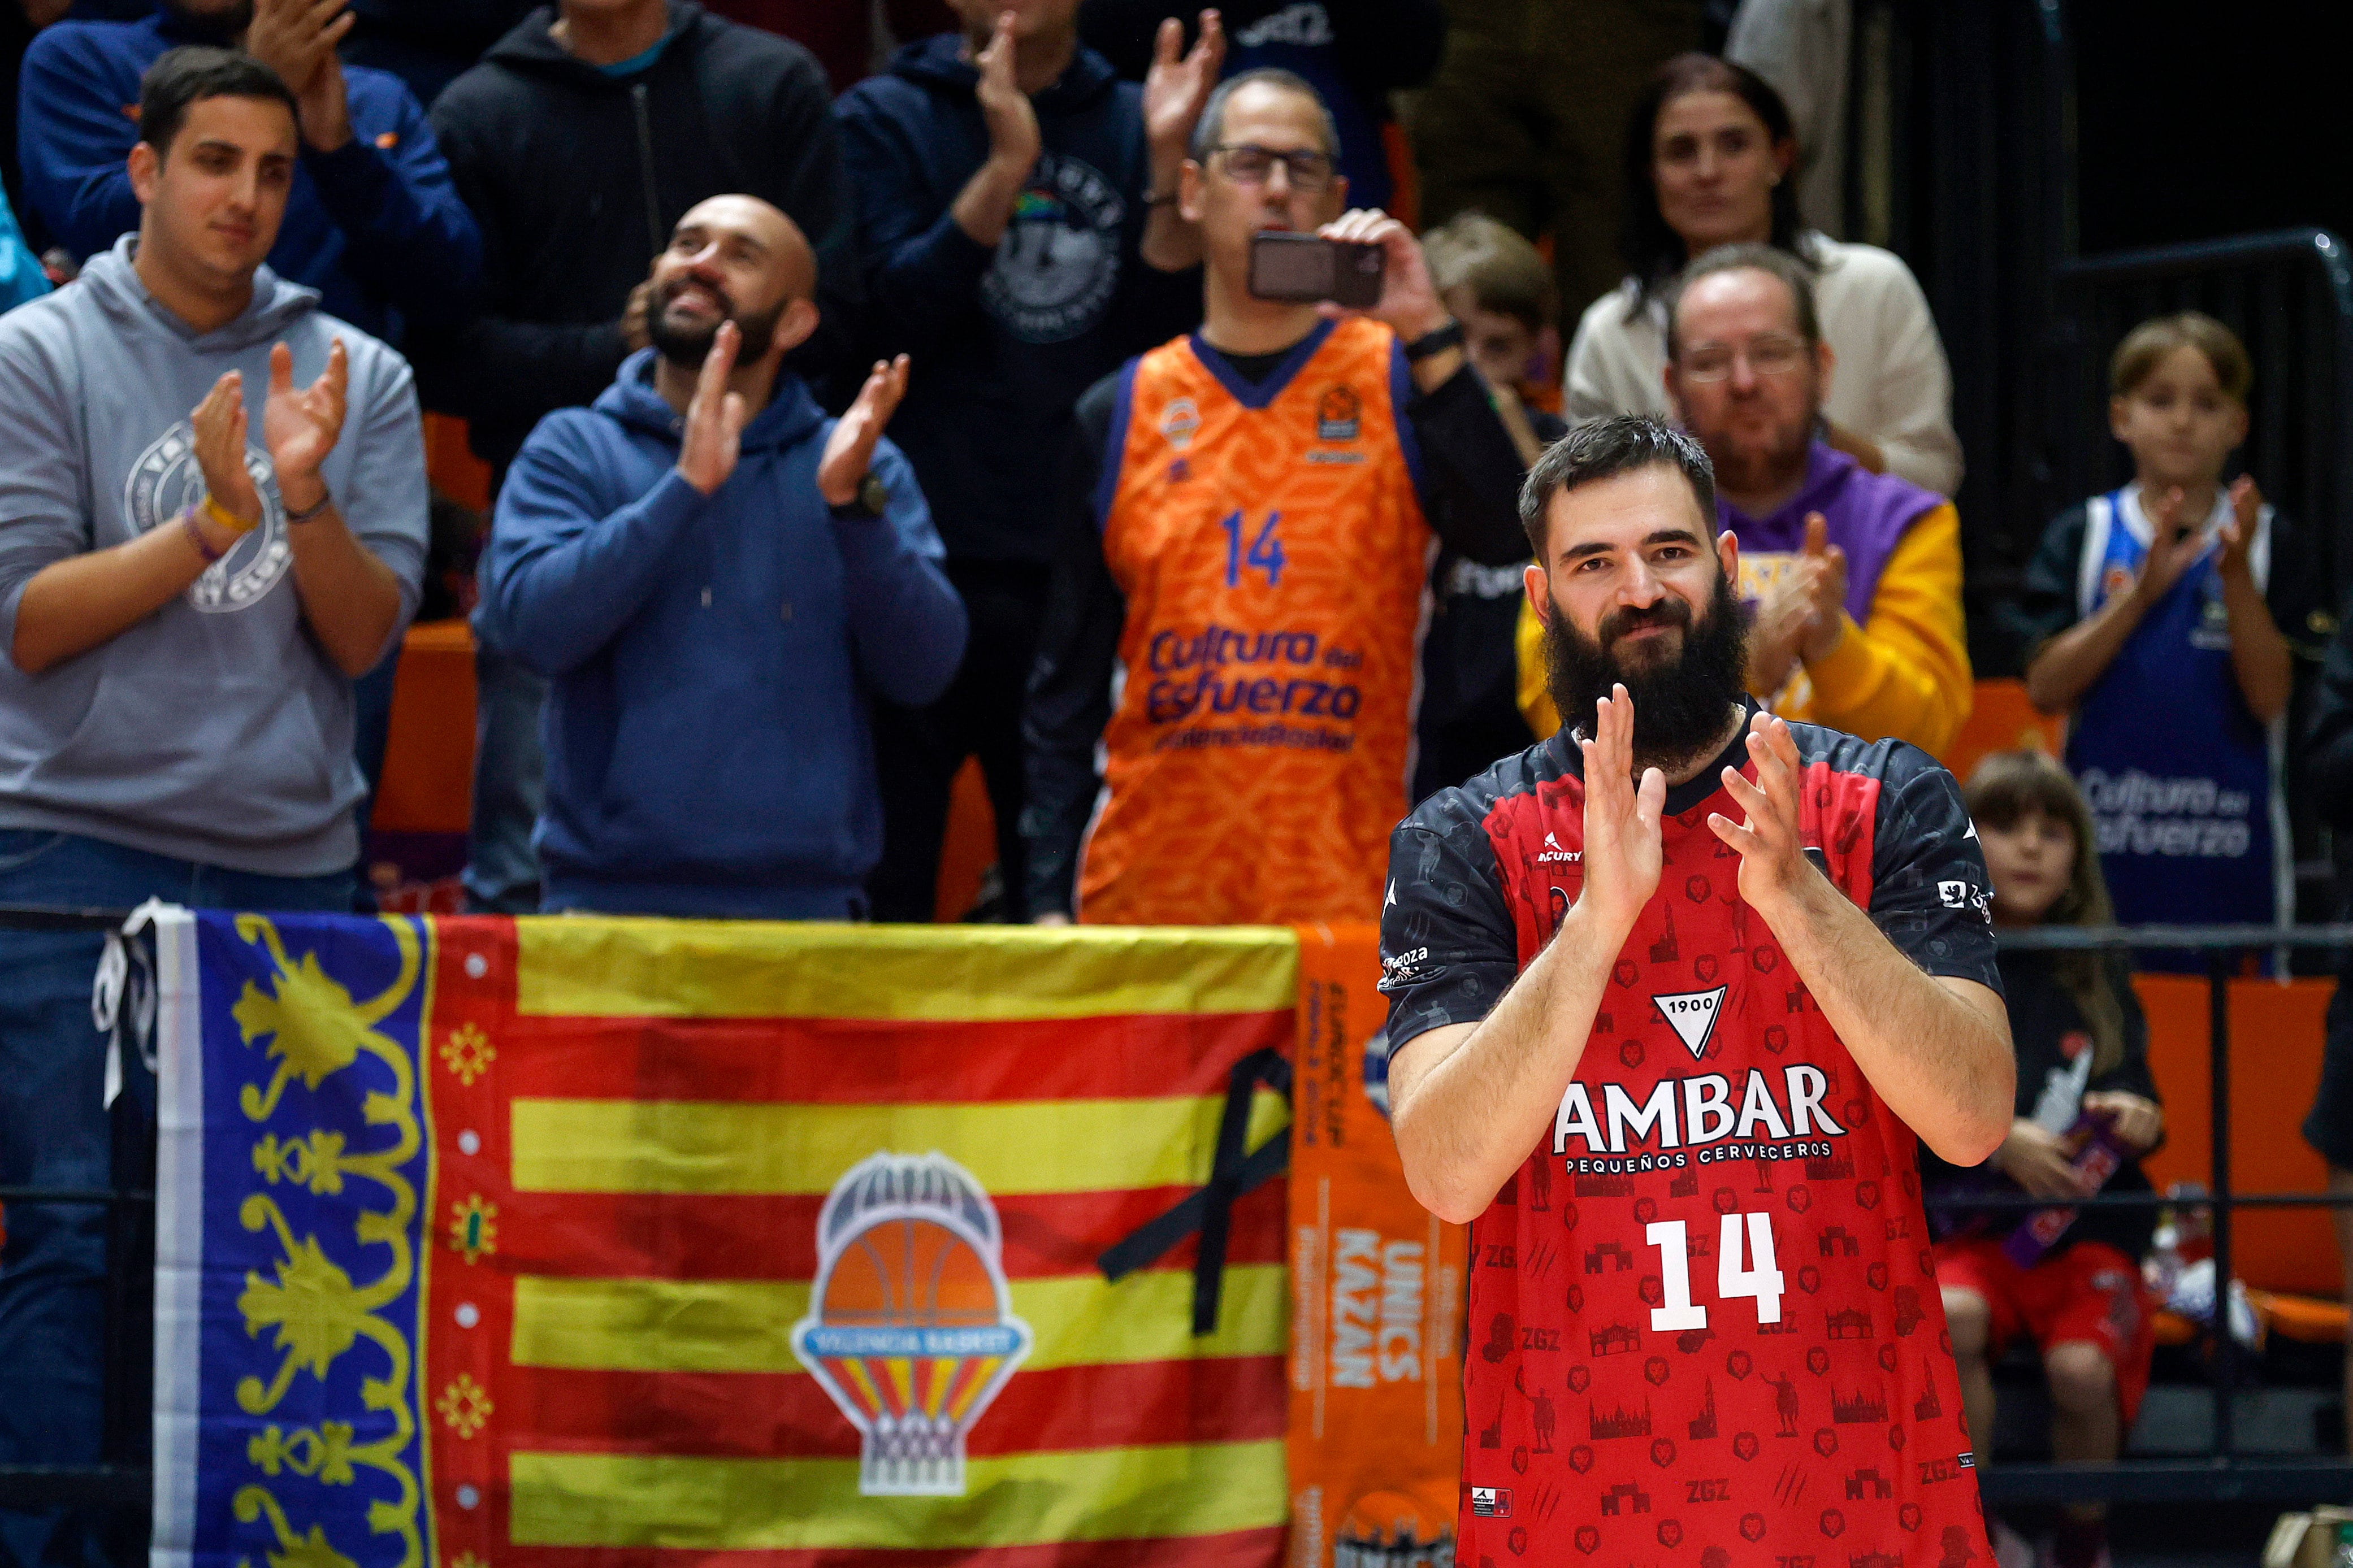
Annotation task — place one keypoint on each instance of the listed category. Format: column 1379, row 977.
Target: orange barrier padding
column 429, row 759
column 450, row 465
column 1376, row 1426
column 2001, row 720
column 2275, row 1041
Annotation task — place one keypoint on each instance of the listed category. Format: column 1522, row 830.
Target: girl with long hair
column 2082, row 1078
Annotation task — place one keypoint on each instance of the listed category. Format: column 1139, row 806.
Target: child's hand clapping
column 2246, row 507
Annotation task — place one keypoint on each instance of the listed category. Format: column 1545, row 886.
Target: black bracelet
column 326, row 499
column 1448, row 336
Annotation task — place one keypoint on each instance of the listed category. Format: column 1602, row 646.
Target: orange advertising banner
column 1375, row 1441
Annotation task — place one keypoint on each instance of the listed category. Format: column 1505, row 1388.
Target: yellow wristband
column 228, row 518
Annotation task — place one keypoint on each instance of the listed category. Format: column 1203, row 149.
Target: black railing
column 2226, row 1474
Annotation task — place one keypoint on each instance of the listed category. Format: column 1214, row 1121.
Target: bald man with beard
column 716, row 578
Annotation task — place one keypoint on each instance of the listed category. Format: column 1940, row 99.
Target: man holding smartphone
column 1247, row 517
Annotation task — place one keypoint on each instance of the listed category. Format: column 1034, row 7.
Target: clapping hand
column 299, row 424
column 1176, row 88
column 219, row 423
column 1771, row 841
column 714, row 416
column 297, row 39
column 2172, row 548
column 1824, row 572
column 1622, row 847
column 850, row 450
column 2246, row 510
column 1005, row 108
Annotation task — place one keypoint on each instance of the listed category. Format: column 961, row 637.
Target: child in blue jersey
column 2162, row 615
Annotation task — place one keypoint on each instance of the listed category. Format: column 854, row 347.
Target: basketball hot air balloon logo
column 911, row 1329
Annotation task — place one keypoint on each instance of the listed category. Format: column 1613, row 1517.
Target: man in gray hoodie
column 211, row 517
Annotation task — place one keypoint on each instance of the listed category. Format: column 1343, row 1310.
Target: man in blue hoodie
column 1017, row 215
column 716, row 579
column 185, row 597
column 372, row 222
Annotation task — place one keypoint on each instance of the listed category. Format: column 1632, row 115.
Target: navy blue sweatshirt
column 1004, row 340
column 376, row 225
column 712, row 657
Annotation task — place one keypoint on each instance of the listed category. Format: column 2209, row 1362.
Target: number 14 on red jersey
column 1760, row 1279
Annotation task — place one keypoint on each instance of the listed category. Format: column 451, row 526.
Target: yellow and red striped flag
column 759, row 1244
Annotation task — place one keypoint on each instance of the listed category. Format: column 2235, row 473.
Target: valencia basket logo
column 911, row 1328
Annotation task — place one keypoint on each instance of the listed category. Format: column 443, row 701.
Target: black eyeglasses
column 1248, row 164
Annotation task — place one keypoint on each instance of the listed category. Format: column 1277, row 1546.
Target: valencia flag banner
column 511, row 1244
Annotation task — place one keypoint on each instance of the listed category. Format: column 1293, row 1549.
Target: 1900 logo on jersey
column 165, row 481
column 1692, row 1015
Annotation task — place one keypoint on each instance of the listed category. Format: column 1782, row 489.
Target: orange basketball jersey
column 1271, row 543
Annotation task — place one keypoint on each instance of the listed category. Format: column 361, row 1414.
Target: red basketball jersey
column 1705, row 1327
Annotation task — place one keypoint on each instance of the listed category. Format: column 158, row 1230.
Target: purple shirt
column 1867, row 514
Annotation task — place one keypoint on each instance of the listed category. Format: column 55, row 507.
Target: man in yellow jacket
column 1855, row 578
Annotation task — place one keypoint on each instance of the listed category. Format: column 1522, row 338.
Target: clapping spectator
column 1016, row 211
column 372, row 221
column 211, row 517
column 580, row 141
column 1355, row 53
column 1246, row 524
column 2159, row 616
column 706, row 757
column 1499, row 288
column 1855, row 577
column 1709, row 155
column 2087, row 1110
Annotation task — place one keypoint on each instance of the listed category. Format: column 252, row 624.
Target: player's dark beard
column 687, row 347
column 1682, row 703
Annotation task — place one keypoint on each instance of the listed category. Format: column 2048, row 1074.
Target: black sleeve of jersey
column 1929, row 893
column 1449, row 950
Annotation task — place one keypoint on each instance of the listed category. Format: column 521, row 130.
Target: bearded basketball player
column 1675, row 995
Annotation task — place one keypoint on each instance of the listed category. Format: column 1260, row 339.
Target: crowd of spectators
column 1213, row 577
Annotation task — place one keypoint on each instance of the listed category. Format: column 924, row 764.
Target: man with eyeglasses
column 1855, row 577
column 1247, row 519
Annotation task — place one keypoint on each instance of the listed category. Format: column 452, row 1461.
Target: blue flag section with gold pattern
column 291, row 1269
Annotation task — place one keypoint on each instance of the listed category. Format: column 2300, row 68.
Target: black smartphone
column 1306, row 268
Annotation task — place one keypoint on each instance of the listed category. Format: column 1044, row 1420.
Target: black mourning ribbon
column 1210, row 1210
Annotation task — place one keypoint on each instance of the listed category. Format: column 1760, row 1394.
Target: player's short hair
column 1208, row 128
column 1605, row 449
column 189, row 75
column 1505, row 273
column 2150, row 344
column 1771, row 260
